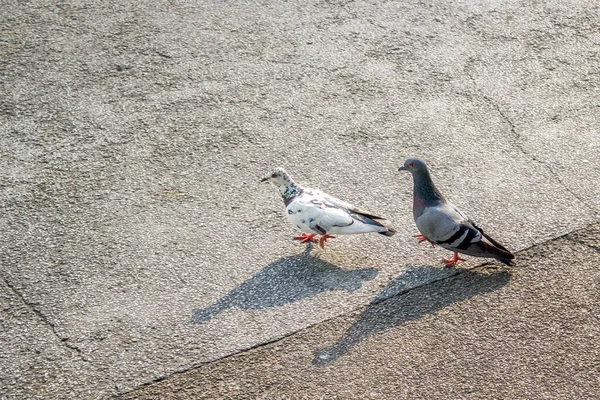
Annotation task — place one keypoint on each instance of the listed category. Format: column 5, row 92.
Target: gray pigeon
column 318, row 213
column 440, row 222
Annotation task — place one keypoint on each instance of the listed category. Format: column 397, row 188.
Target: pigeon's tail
column 507, row 261
column 389, row 232
column 382, row 222
column 371, row 219
column 498, row 251
column 495, row 249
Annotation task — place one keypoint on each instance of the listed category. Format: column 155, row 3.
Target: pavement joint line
column 198, row 365
column 44, row 318
column 517, row 143
column 258, row 345
column 459, row 271
column 579, row 241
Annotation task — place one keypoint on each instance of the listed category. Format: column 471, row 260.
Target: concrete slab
column 133, row 137
column 36, row 364
column 531, row 68
column 484, row 333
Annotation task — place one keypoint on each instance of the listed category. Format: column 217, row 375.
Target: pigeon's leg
column 306, row 237
column 422, row 239
column 323, row 239
column 451, row 261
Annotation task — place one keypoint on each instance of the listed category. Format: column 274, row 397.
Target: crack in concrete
column 517, row 137
column 570, row 238
column 259, row 345
column 519, row 145
column 198, row 365
column 40, row 314
column 567, row 236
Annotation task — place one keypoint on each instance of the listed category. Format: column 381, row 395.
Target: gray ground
column 528, row 333
column 137, row 242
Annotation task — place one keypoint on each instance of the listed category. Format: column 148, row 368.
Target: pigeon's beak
column 265, row 179
column 403, row 168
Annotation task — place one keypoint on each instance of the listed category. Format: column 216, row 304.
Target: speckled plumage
column 316, row 212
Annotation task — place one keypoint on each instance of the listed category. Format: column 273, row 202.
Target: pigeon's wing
column 445, row 225
column 331, row 200
column 440, row 223
column 345, row 205
column 357, row 214
column 321, row 214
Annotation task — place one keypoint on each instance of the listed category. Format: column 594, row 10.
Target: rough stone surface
column 529, row 332
column 36, row 364
column 133, row 136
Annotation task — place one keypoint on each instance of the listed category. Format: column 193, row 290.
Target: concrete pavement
column 136, row 240
column 487, row 333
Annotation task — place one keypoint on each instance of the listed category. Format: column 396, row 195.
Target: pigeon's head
column 278, row 176
column 413, row 165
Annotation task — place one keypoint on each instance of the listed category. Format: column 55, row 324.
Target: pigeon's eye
column 411, row 164
column 273, row 175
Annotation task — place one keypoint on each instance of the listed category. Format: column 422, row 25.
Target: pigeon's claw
column 306, row 237
column 451, row 261
column 324, row 239
column 422, row 239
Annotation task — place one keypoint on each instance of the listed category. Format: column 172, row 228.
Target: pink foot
column 451, row 261
column 306, row 237
column 324, row 239
column 422, row 239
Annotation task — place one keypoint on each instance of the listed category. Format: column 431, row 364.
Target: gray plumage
column 441, row 223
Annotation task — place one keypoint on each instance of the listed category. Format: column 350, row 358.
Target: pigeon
column 317, row 213
column 441, row 223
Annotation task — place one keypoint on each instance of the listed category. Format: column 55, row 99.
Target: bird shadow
column 404, row 300
column 284, row 281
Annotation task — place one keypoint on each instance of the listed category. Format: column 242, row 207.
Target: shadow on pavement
column 285, row 281
column 384, row 312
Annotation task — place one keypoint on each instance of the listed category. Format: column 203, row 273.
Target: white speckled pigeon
column 440, row 222
column 318, row 213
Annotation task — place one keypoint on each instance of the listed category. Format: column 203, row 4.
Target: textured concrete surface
column 37, row 364
column 526, row 333
column 133, row 135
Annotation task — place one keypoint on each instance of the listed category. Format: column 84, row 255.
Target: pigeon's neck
column 425, row 192
column 289, row 190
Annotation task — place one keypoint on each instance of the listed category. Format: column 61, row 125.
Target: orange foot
column 324, row 239
column 306, row 237
column 451, row 261
column 422, row 239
